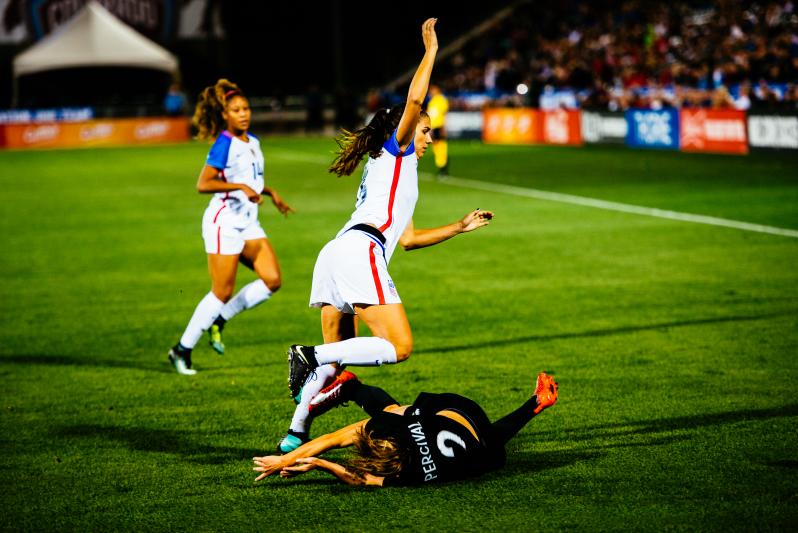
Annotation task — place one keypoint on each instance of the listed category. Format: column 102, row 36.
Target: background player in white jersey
column 233, row 174
column 439, row 438
column 351, row 277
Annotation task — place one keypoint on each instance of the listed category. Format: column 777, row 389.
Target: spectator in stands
column 721, row 99
column 175, row 102
column 743, row 100
column 618, row 49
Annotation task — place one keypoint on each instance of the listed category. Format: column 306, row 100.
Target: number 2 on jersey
column 445, row 437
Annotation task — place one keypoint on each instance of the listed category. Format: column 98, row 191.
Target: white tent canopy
column 93, row 38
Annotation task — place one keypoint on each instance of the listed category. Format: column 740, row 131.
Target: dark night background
column 282, row 48
column 286, row 47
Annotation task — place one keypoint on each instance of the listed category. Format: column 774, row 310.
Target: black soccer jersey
column 441, row 449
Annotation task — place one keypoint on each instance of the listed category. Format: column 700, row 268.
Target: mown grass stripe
column 573, row 199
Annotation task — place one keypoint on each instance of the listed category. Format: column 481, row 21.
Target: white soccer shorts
column 222, row 237
column 352, row 270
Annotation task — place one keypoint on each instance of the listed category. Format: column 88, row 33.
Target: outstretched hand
column 428, row 34
column 301, row 466
column 475, row 219
column 281, row 206
column 267, row 465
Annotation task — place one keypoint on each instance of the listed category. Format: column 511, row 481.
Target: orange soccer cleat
column 334, row 394
column 545, row 391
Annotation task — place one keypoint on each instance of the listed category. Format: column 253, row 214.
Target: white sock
column 248, row 297
column 301, row 421
column 204, row 315
column 360, row 351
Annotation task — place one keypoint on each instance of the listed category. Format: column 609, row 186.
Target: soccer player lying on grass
column 441, row 437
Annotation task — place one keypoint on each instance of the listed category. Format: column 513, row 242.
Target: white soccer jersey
column 388, row 193
column 238, row 162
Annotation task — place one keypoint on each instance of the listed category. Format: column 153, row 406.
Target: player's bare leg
column 222, row 269
column 390, row 323
column 257, row 255
column 392, row 342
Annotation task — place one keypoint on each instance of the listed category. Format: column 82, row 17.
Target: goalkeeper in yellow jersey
column 437, row 108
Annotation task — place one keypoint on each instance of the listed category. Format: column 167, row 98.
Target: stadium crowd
column 616, row 54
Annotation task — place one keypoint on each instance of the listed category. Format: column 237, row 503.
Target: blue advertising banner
column 650, row 128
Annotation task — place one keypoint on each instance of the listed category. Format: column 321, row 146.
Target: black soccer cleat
column 301, row 363
column 181, row 359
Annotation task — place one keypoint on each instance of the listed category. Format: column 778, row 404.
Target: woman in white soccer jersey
column 351, row 274
column 233, row 174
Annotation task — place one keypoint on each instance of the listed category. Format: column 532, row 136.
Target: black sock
column 372, row 399
column 509, row 425
column 181, row 350
column 310, row 354
column 301, row 434
column 183, row 353
column 220, row 321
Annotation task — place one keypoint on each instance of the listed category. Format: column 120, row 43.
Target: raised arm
column 419, row 86
column 413, row 238
column 338, row 439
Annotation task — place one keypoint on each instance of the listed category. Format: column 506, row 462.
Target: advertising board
column 604, row 127
column 511, row 126
column 713, row 130
column 773, row 131
column 464, row 124
column 95, row 133
column 648, row 128
column 562, row 126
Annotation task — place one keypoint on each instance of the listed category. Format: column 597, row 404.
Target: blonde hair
column 211, row 103
column 379, row 457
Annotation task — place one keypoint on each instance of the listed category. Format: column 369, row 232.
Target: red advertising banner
column 562, row 126
column 511, row 126
column 95, row 133
column 713, row 130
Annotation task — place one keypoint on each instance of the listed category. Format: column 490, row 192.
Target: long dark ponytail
column 353, row 145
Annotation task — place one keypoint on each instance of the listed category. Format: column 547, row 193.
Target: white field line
column 571, row 199
column 616, row 206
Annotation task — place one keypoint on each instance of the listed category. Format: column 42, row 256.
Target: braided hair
column 211, row 104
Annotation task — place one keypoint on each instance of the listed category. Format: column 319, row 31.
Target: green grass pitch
column 675, row 344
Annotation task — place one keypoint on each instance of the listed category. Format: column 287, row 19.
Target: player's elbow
column 407, row 243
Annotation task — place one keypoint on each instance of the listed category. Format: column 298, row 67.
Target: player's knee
column 403, row 350
column 224, row 293
column 273, row 282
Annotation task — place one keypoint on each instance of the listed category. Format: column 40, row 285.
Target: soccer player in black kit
column 440, row 437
